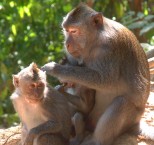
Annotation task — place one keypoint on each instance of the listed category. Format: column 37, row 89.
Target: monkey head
column 81, row 28
column 30, row 83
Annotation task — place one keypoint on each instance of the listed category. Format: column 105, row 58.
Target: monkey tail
column 146, row 131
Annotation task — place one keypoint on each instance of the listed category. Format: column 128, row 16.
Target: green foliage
column 30, row 31
column 145, row 23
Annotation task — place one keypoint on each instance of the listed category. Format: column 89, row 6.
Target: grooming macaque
column 115, row 66
column 43, row 111
column 81, row 100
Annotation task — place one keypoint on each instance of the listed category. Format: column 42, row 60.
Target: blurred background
column 30, row 31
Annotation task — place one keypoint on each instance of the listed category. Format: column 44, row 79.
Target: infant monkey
column 43, row 111
column 82, row 100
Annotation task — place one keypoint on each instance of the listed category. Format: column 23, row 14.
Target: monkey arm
column 79, row 104
column 82, row 102
column 80, row 75
column 47, row 127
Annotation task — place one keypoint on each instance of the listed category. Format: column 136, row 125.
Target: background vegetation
column 30, row 30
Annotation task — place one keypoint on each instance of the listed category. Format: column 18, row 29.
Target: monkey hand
column 60, row 88
column 67, row 84
column 49, row 67
column 29, row 139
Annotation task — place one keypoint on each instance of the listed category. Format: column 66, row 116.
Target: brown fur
column 43, row 111
column 82, row 100
column 115, row 66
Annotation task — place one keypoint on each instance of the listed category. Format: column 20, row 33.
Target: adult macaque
column 44, row 112
column 115, row 66
column 82, row 100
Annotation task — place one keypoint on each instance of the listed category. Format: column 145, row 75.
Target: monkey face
column 74, row 41
column 34, row 91
column 81, row 29
column 31, row 82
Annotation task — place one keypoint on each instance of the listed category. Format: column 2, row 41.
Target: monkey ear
column 15, row 80
column 98, row 19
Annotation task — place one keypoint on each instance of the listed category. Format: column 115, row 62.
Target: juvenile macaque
column 82, row 100
column 115, row 66
column 43, row 111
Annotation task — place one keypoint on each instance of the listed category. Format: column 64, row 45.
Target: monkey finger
column 48, row 67
column 60, row 88
column 67, row 84
column 70, row 85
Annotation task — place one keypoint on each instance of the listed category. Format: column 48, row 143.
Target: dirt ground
column 11, row 136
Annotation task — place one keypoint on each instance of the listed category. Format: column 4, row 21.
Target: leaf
column 140, row 15
column 27, row 11
column 12, row 4
column 149, row 17
column 13, row 28
column 147, row 28
column 136, row 25
column 67, row 8
column 119, row 9
column 21, row 12
column 132, row 13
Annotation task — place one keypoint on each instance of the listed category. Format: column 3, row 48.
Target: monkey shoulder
column 53, row 96
column 114, row 29
column 56, row 108
column 55, row 103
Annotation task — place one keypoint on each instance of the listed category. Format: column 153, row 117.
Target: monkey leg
column 120, row 116
column 79, row 124
column 50, row 139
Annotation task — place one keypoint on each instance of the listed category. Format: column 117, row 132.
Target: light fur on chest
column 30, row 114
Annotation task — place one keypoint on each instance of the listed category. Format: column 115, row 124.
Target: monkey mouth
column 33, row 99
column 75, row 53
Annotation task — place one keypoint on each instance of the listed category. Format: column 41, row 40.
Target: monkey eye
column 40, row 85
column 33, row 85
column 73, row 31
column 36, row 85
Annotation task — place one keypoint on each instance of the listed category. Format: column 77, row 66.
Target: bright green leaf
column 21, row 12
column 27, row 11
column 32, row 34
column 13, row 28
column 12, row 4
